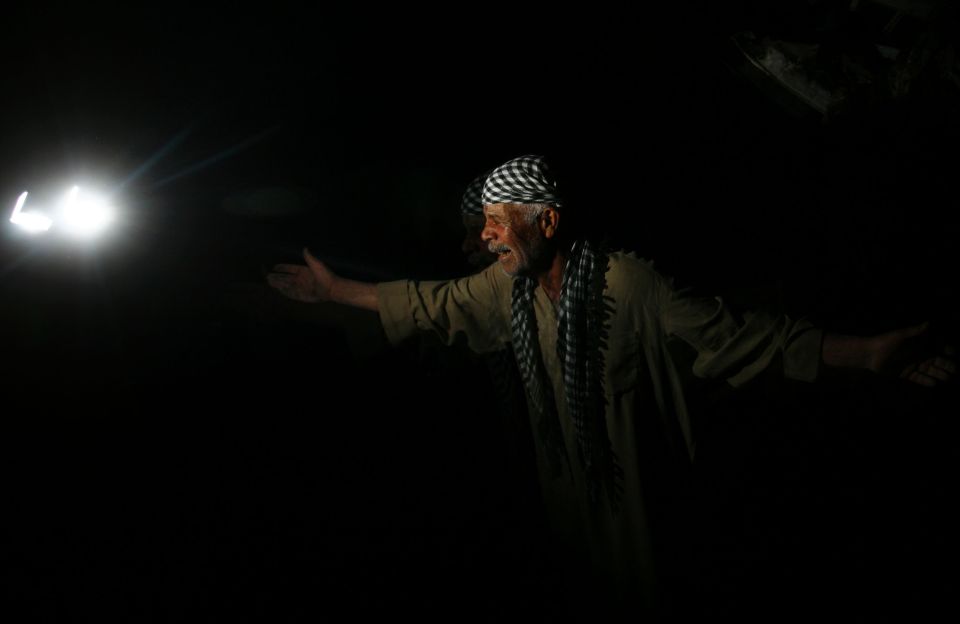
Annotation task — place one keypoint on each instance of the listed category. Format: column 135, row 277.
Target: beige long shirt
column 642, row 382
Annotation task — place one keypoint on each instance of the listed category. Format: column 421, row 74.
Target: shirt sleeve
column 472, row 310
column 738, row 347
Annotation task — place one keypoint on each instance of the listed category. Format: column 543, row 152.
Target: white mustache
column 497, row 249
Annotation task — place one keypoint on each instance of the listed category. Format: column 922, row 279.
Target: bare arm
column 315, row 283
column 907, row 353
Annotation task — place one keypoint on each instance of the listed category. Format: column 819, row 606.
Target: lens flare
column 32, row 221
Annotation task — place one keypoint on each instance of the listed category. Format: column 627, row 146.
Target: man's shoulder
column 626, row 270
column 490, row 283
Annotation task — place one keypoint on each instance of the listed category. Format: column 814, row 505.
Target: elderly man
column 591, row 331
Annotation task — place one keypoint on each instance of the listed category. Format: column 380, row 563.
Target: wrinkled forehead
column 498, row 210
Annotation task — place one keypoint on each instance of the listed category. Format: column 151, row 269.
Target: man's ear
column 549, row 220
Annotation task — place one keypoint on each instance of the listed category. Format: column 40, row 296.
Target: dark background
column 181, row 444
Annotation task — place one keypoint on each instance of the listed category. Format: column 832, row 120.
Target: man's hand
column 911, row 354
column 315, row 283
column 311, row 283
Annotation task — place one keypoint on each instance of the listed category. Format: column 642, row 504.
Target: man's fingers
column 930, row 373
column 930, row 369
column 919, row 378
column 946, row 364
column 912, row 374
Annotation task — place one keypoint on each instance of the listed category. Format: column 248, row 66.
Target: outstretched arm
column 907, row 353
column 315, row 282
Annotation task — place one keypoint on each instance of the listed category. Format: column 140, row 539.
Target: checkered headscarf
column 472, row 202
column 523, row 180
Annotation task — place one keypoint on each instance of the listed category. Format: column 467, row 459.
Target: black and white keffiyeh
column 523, row 180
column 581, row 338
column 526, row 348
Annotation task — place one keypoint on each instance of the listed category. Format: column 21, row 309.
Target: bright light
column 32, row 221
column 84, row 214
column 79, row 214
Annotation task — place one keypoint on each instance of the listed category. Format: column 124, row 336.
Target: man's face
column 520, row 247
column 473, row 247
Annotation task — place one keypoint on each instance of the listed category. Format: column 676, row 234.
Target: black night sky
column 180, row 443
